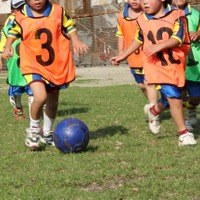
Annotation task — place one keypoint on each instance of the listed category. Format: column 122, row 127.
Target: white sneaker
column 33, row 138
column 191, row 115
column 47, row 138
column 188, row 126
column 187, row 139
column 154, row 121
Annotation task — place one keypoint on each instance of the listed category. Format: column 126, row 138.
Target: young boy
column 192, row 71
column 46, row 61
column 126, row 30
column 17, row 83
column 161, row 32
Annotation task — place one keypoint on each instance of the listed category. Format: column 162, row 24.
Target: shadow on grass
column 108, row 131
column 65, row 112
column 165, row 115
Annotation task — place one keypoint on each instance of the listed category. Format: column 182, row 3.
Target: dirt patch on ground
column 97, row 76
column 100, row 76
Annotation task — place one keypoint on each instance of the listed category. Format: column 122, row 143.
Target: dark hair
column 17, row 5
column 167, row 2
column 18, row 8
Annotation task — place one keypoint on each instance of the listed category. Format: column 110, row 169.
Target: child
column 192, row 72
column 18, row 85
column 162, row 31
column 46, row 61
column 126, row 30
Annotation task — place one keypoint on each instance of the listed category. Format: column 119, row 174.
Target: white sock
column 34, row 123
column 48, row 123
column 30, row 100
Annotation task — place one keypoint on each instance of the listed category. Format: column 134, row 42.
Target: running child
column 192, row 71
column 46, row 61
column 165, row 44
column 17, row 83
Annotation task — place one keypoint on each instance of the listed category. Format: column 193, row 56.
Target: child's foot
column 187, row 139
column 19, row 113
column 154, row 121
column 47, row 138
column 33, row 138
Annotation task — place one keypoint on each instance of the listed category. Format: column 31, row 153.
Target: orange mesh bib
column 44, row 49
column 128, row 29
column 167, row 66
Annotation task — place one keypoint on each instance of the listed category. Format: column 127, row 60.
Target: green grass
column 123, row 160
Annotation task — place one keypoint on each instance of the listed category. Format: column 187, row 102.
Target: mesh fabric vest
column 193, row 70
column 15, row 77
column 44, row 49
column 128, row 28
column 167, row 66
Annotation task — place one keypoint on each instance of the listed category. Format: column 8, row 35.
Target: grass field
column 123, row 160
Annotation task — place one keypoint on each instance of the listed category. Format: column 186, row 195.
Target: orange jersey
column 128, row 29
column 44, row 50
column 166, row 66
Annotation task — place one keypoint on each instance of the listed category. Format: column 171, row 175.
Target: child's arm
column 8, row 50
column 175, row 40
column 1, row 62
column 119, row 35
column 1, row 50
column 171, row 43
column 120, row 45
column 133, row 47
column 78, row 46
column 70, row 30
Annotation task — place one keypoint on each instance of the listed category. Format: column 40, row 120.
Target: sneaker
column 187, row 139
column 47, row 138
column 33, row 138
column 191, row 115
column 188, row 125
column 154, row 121
column 19, row 113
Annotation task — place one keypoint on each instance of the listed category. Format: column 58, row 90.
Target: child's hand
column 7, row 53
column 194, row 36
column 115, row 60
column 149, row 51
column 80, row 48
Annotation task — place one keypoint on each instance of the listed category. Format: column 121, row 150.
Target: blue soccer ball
column 71, row 135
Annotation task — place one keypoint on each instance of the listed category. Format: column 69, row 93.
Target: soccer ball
column 71, row 135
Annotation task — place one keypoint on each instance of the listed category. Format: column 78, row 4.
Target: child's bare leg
column 49, row 115
column 152, row 93
column 50, row 111
column 52, row 104
column 33, row 138
column 40, row 96
column 185, row 137
column 176, row 111
column 143, row 89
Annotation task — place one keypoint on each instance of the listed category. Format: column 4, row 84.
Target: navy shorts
column 193, row 88
column 138, row 75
